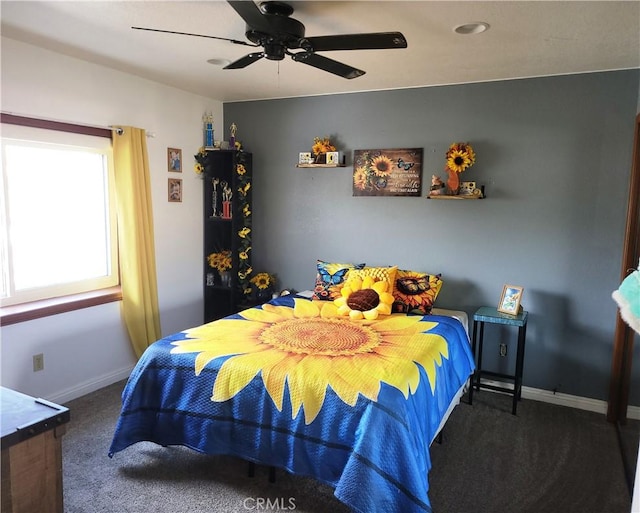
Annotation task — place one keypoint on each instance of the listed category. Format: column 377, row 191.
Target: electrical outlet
column 503, row 349
column 38, row 362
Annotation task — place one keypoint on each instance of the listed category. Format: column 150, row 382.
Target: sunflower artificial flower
column 460, row 156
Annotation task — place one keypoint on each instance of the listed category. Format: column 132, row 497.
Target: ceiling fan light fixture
column 476, row 27
column 274, row 51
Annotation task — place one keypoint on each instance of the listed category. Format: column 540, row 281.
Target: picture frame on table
column 510, row 299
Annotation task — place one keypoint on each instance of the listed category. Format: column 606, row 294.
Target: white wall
column 87, row 349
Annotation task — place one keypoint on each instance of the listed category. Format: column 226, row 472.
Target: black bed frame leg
column 252, row 472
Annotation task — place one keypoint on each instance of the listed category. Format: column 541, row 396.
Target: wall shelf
column 458, row 197
column 321, row 165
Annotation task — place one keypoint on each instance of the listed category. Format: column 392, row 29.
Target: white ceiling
column 525, row 39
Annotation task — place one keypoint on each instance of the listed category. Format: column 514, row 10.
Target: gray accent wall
column 554, row 155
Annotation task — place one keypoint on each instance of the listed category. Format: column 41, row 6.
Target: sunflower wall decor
column 395, row 172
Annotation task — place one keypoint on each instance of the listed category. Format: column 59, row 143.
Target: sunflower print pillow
column 415, row 292
column 387, row 274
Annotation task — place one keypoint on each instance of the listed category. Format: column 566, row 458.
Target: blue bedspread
column 354, row 404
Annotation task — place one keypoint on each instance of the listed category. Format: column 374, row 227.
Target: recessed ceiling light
column 219, row 62
column 477, row 27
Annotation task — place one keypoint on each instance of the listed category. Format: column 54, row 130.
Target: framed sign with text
column 394, row 172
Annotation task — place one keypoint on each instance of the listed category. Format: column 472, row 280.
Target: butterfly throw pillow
column 330, row 279
column 415, row 292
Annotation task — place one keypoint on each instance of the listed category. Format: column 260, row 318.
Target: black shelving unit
column 225, row 228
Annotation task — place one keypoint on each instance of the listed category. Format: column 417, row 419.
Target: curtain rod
column 14, row 119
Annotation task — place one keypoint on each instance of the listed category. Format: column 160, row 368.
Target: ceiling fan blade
column 243, row 62
column 251, row 15
column 235, row 41
column 326, row 64
column 371, row 41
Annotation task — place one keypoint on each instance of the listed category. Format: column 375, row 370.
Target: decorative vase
column 263, row 295
column 453, row 182
column 225, row 278
column 321, row 158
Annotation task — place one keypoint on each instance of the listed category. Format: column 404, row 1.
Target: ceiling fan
column 270, row 26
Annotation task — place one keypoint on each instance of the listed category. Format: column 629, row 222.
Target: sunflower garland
column 244, row 234
column 199, row 165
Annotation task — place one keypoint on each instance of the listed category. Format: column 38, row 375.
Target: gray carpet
column 547, row 459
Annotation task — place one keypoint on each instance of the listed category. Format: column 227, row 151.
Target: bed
column 354, row 404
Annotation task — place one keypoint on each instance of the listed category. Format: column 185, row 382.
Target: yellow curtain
column 135, row 237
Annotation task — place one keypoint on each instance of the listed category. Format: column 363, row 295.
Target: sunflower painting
column 387, row 172
column 290, row 347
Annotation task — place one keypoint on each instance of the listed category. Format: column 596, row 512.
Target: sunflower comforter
column 291, row 384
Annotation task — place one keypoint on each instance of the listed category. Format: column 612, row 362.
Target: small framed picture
column 333, row 157
column 175, row 189
column 510, row 299
column 304, row 157
column 174, row 160
column 467, row 188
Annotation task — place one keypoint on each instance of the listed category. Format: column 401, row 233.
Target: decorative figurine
column 207, row 121
column 227, row 194
column 214, row 196
column 232, row 139
column 437, row 186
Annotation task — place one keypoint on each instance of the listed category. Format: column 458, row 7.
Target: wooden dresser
column 31, row 469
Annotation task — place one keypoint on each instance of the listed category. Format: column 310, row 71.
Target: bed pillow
column 330, row 279
column 415, row 292
column 387, row 274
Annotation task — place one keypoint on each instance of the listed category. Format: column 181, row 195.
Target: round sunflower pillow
column 364, row 298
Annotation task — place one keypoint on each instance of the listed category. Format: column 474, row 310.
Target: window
column 57, row 214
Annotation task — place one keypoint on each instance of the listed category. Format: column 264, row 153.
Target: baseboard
column 90, row 386
column 535, row 394
column 572, row 401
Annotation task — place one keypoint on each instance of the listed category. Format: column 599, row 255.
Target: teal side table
column 487, row 314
